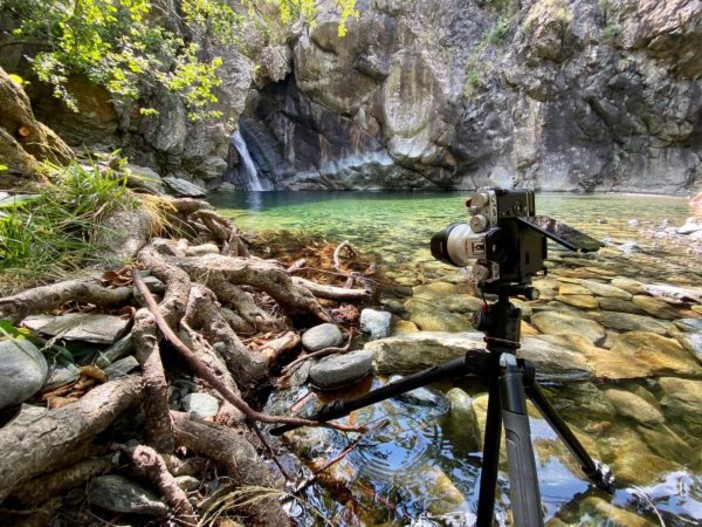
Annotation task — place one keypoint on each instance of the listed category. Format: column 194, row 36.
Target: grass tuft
column 49, row 235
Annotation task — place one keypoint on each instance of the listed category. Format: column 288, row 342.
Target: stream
column 623, row 327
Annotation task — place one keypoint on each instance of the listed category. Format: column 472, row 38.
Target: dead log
column 329, row 292
column 229, row 449
column 157, row 422
column 260, row 274
column 45, row 298
column 43, row 445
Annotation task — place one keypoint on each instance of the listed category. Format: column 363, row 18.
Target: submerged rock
column 340, row 370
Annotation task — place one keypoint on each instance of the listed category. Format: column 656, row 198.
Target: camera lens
column 457, row 245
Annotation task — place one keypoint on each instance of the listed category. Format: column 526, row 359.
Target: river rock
column 553, row 362
column 692, row 342
column 412, row 352
column 400, row 326
column 667, row 444
column 608, row 303
column 184, row 188
column 23, row 371
column 631, row 322
column 462, row 421
column 682, row 400
column 601, row 289
column 573, row 289
column 61, row 376
column 376, row 323
column 341, row 370
column 634, row 407
column 323, row 336
column 84, row 327
column 640, row 354
column 579, row 301
column 119, row 494
column 628, row 284
column 691, row 325
column 202, row 405
column 122, row 367
column 691, row 225
column 564, row 324
column 675, row 294
column 429, row 316
column 655, row 307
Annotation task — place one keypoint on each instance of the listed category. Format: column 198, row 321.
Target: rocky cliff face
column 548, row 94
column 452, row 94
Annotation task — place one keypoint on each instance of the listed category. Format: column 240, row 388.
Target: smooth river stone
column 640, row 354
column 563, row 324
column 573, row 289
column 655, row 307
column 609, row 303
column 601, row 289
column 579, row 301
column 682, row 400
column 634, row 407
column 630, row 322
column 628, row 284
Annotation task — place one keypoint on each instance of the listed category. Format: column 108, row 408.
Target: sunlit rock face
column 438, row 94
column 548, row 94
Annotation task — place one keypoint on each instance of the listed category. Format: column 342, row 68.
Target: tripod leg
column 491, row 456
column 524, row 483
column 596, row 471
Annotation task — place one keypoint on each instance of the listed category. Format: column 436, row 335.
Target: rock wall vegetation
column 427, row 94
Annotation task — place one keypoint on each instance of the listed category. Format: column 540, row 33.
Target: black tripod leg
column 596, row 471
column 491, row 456
column 524, row 483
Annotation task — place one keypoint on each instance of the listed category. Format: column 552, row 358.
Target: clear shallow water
column 397, row 227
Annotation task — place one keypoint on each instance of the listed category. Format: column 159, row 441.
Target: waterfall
column 253, row 183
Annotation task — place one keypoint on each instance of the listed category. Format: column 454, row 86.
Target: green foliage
column 121, row 45
column 50, row 234
column 498, row 32
column 611, row 32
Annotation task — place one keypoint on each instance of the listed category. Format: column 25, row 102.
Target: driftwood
column 47, row 298
column 214, row 308
column 44, row 445
column 232, row 451
column 158, row 432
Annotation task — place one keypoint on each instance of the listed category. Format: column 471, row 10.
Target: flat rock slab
column 23, row 370
column 84, row 327
column 118, row 494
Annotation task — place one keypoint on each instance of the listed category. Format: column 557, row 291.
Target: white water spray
column 253, row 183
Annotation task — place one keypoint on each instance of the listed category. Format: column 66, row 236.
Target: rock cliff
column 448, row 94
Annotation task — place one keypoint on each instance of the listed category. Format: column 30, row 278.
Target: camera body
column 504, row 248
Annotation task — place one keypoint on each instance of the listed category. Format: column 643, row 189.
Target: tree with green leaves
column 128, row 45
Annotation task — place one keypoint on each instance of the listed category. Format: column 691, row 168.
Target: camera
column 505, row 241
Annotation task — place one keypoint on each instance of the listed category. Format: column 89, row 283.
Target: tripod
column 510, row 381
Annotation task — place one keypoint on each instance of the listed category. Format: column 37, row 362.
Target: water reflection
column 391, row 477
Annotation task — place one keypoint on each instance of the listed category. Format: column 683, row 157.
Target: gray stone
column 691, row 325
column 122, row 367
column 341, row 370
column 601, row 289
column 143, row 178
column 85, row 327
column 323, row 336
column 376, row 323
column 691, row 225
column 693, row 343
column 61, row 376
column 119, row 494
column 184, row 188
column 119, row 349
column 23, row 371
column 201, row 404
